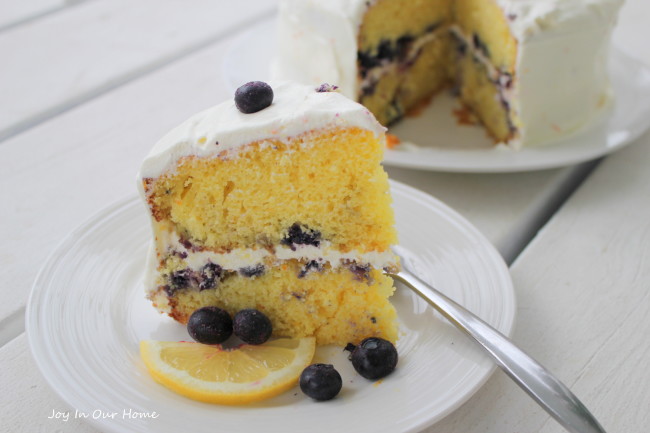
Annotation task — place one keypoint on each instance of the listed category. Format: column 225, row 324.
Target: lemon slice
column 241, row 375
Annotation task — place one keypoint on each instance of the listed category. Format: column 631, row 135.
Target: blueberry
column 210, row 276
column 374, row 358
column 385, row 50
column 252, row 326
column 252, row 271
column 367, row 61
column 361, row 272
column 313, row 264
column 210, row 325
column 480, row 45
column 325, row 87
column 181, row 279
column 321, row 382
column 253, row 97
column 461, row 47
column 301, row 235
column 169, row 290
column 403, row 46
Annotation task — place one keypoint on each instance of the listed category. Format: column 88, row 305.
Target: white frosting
column 296, row 109
column 325, row 33
column 561, row 72
column 248, row 257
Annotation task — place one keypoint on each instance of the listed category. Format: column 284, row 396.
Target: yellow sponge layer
column 396, row 94
column 329, row 181
column 482, row 97
column 389, row 20
column 336, row 305
column 486, row 20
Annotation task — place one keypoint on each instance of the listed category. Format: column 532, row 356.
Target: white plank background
column 583, row 295
column 26, row 400
column 16, row 12
column 134, row 73
column 74, row 55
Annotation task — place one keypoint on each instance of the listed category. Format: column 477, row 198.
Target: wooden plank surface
column 72, row 56
column 583, row 295
column 27, row 402
column 631, row 35
column 507, row 208
column 61, row 171
column 15, row 12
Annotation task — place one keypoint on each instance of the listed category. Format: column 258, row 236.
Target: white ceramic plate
column 441, row 144
column 87, row 313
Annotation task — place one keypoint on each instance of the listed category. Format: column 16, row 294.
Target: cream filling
column 249, row 257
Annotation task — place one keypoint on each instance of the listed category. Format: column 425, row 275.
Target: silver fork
column 532, row 377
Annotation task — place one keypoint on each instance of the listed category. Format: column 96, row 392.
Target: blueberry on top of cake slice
column 282, row 207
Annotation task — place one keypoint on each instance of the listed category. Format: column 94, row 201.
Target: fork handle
column 531, row 376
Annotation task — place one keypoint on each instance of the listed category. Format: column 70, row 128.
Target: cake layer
column 486, row 23
column 337, row 306
column 306, row 190
column 392, row 85
column 388, row 22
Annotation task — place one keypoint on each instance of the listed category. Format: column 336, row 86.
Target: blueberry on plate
column 252, row 326
column 210, row 325
column 321, row 382
column 253, row 97
column 374, row 358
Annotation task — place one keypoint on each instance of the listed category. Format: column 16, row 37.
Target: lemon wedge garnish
column 235, row 376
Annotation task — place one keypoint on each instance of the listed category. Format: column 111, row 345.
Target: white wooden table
column 87, row 86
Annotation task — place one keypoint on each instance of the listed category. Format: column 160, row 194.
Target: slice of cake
column 286, row 210
column 532, row 71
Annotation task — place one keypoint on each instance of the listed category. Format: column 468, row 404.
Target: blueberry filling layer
column 208, row 277
column 503, row 81
column 389, row 55
column 211, row 275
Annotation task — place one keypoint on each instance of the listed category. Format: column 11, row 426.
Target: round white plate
column 438, row 142
column 87, row 313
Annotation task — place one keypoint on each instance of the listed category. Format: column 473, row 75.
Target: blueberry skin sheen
column 210, row 325
column 253, row 97
column 374, row 358
column 252, row 326
column 321, row 382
